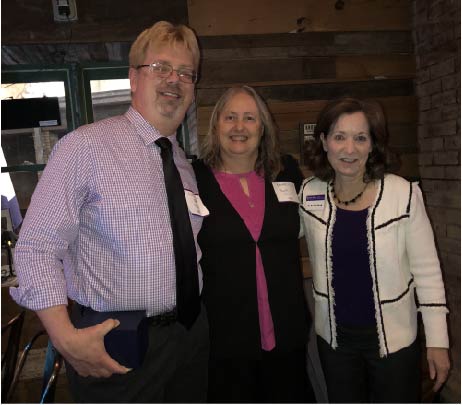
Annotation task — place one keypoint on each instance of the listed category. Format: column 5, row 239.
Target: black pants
column 277, row 377
column 174, row 370
column 355, row 373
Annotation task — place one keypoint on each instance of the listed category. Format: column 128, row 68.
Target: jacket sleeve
column 291, row 171
column 301, row 233
column 425, row 268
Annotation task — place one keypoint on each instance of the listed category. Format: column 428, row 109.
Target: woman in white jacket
column 372, row 248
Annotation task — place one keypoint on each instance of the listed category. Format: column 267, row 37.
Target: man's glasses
column 164, row 70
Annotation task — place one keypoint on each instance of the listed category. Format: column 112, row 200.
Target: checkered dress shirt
column 98, row 226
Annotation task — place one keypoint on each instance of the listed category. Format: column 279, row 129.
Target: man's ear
column 324, row 141
column 133, row 76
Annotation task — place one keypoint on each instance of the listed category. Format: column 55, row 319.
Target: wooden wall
column 363, row 50
column 297, row 73
column 212, row 17
column 99, row 21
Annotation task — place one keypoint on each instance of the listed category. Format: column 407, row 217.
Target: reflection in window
column 31, row 90
column 30, row 146
column 109, row 97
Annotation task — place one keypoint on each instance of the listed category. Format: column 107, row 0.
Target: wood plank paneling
column 317, row 91
column 99, row 21
column 371, row 66
column 210, row 17
column 294, row 73
column 401, row 112
column 390, row 49
column 289, row 115
column 306, row 44
column 270, row 69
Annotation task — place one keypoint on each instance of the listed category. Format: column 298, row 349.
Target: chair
column 53, row 364
column 10, row 357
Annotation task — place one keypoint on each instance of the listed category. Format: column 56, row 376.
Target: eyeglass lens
column 165, row 70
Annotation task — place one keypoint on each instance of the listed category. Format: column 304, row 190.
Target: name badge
column 314, row 202
column 195, row 204
column 285, row 191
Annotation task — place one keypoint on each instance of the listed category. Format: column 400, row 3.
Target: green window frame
column 99, row 71
column 48, row 73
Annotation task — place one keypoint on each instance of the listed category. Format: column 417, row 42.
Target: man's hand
column 82, row 348
column 438, row 365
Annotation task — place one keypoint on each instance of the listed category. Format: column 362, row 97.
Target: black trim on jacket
column 318, row 292
column 312, row 215
column 408, row 208
column 401, row 295
column 385, row 224
column 374, row 264
column 326, row 244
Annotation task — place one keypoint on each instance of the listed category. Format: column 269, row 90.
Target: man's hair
column 163, row 33
column 268, row 163
column 380, row 160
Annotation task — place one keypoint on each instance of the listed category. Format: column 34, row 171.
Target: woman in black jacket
column 253, row 287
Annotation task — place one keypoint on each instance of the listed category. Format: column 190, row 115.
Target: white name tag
column 195, row 204
column 285, row 191
column 314, row 202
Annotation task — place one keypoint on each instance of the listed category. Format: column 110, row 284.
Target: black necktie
column 187, row 285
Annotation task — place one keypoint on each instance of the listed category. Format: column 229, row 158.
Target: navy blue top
column 352, row 280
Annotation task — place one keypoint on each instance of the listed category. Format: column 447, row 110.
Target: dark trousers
column 174, row 370
column 355, row 373
column 276, row 377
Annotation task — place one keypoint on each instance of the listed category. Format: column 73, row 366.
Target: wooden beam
column 318, row 91
column 307, row 44
column 96, row 47
column 31, row 21
column 211, row 17
column 271, row 69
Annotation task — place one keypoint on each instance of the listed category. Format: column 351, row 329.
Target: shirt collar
column 145, row 130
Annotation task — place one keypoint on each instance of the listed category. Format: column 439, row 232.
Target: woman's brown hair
column 381, row 159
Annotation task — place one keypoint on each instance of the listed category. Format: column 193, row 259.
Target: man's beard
column 169, row 108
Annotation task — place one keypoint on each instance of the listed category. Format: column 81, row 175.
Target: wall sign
column 306, row 135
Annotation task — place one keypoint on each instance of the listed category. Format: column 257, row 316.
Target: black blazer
column 228, row 265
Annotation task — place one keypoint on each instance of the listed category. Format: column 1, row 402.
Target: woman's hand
column 438, row 365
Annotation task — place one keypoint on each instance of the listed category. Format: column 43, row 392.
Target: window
column 26, row 149
column 85, row 94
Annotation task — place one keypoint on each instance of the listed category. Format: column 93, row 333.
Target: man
column 100, row 230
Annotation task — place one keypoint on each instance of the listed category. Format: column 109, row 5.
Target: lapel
column 232, row 215
column 271, row 205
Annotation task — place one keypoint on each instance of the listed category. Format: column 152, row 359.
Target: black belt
column 164, row 319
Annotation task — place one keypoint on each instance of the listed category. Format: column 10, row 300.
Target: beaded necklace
column 332, row 188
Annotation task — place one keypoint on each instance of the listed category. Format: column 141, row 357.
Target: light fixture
column 339, row 5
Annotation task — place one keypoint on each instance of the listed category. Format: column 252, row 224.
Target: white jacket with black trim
column 402, row 256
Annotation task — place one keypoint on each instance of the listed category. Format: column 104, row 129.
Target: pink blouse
column 251, row 209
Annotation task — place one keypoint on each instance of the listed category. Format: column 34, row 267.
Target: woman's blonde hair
column 163, row 33
column 268, row 163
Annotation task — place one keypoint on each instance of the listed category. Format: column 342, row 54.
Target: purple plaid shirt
column 98, row 226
